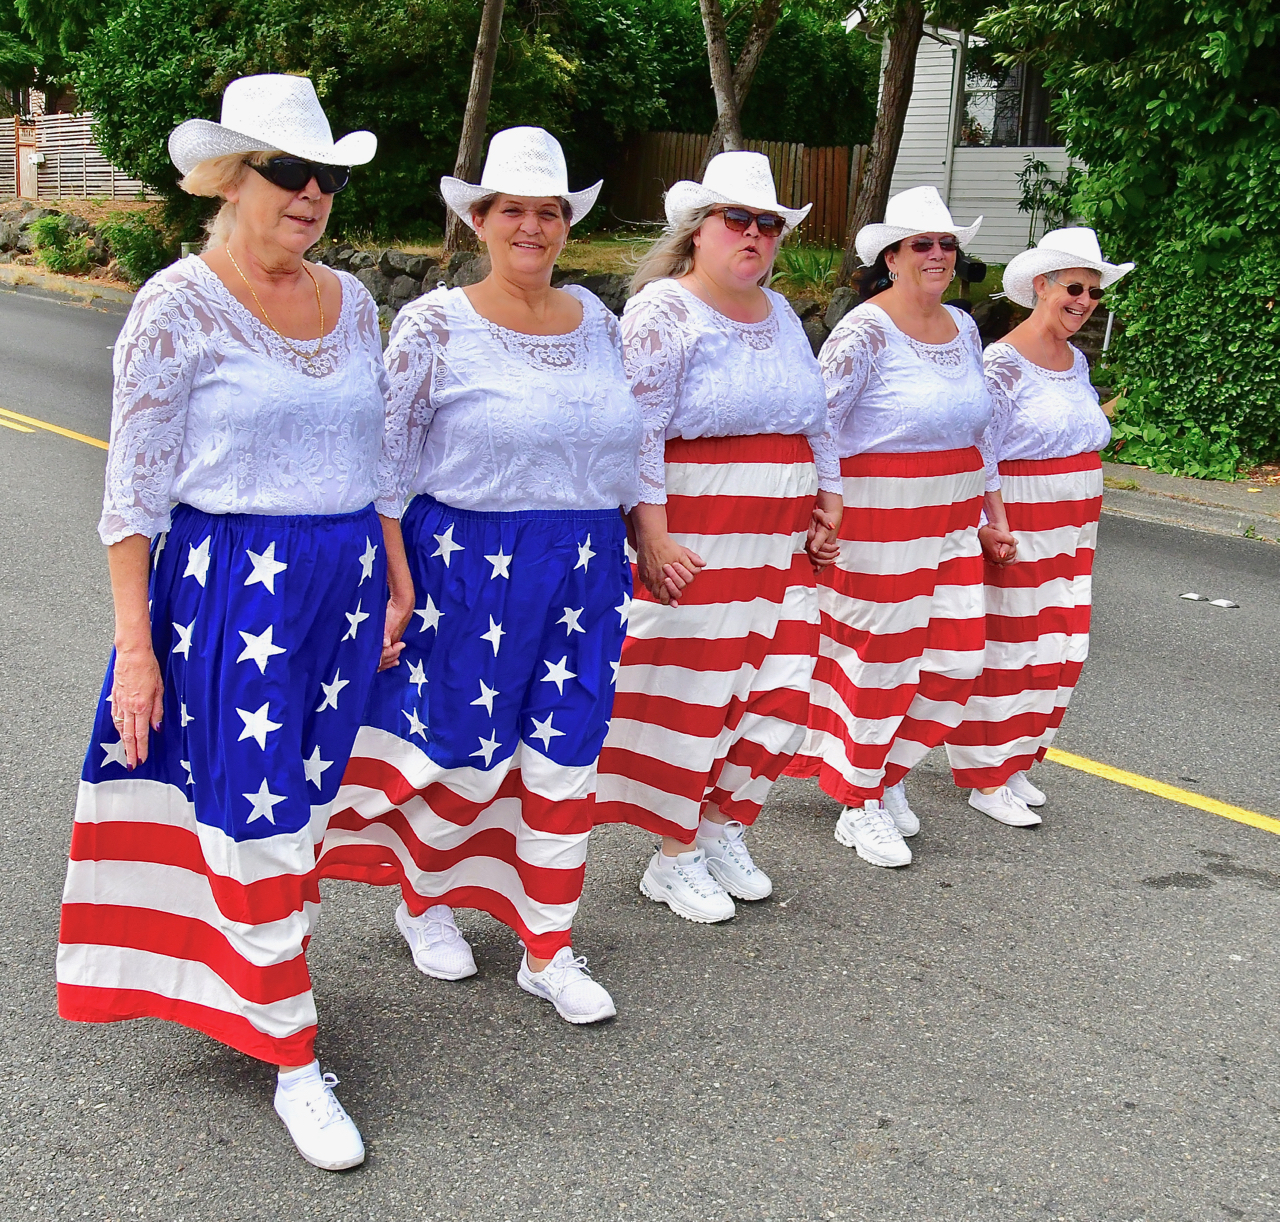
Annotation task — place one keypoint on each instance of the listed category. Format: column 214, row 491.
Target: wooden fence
column 827, row 177
column 8, row 158
column 73, row 165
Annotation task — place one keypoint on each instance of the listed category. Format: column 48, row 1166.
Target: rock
column 6, row 257
column 842, row 301
column 9, row 234
column 994, row 318
column 377, row 284
column 568, row 275
column 459, row 258
column 403, row 290
column 422, row 266
column 393, row 263
column 24, row 245
column 817, row 332
column 805, row 307
column 98, row 252
column 77, row 225
column 386, row 316
column 360, row 260
column 16, row 209
column 611, row 289
column 37, row 214
column 342, row 256
column 471, row 272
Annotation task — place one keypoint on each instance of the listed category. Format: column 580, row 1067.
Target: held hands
column 998, row 546
column 823, row 543
column 137, row 699
column 666, row 567
column 399, row 613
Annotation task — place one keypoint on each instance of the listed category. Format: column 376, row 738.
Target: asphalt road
column 1073, row 1022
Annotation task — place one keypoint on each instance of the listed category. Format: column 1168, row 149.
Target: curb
column 51, row 287
column 1212, row 519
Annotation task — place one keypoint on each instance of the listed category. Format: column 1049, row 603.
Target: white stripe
column 916, row 492
column 684, row 812
column 1049, row 489
column 1022, row 602
column 774, row 480
column 1057, row 541
column 907, row 556
column 715, row 622
column 744, row 551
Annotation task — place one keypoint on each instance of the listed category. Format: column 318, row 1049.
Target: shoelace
column 735, row 840
column 878, row 824
column 698, row 877
column 325, row 1106
column 442, row 931
column 564, row 971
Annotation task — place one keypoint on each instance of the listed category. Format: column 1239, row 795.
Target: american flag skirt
column 1037, row 619
column 902, row 620
column 192, row 889
column 713, row 695
column 473, row 779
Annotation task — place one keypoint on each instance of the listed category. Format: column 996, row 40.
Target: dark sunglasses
column 1074, row 290
column 293, row 173
column 739, row 220
column 947, row 244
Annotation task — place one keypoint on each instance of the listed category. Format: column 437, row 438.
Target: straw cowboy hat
column 523, row 161
column 263, row 113
column 1056, row 251
column 919, row 210
column 739, row 178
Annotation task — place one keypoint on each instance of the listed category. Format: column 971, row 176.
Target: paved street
column 1070, row 1023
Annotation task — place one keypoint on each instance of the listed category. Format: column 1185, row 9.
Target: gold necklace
column 284, row 339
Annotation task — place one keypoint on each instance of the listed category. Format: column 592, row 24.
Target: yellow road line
column 52, row 428
column 17, row 428
column 1161, row 790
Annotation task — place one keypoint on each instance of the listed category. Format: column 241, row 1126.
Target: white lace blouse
column 481, row 417
column 1040, row 413
column 210, row 408
column 697, row 373
column 890, row 394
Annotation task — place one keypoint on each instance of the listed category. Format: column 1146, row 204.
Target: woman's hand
column 400, row 603
column 137, row 690
column 999, row 545
column 665, row 566
column 823, row 543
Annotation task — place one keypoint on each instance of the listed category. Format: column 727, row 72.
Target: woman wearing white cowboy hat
column 512, row 427
column 739, row 480
column 248, row 390
column 1045, row 436
column 903, row 628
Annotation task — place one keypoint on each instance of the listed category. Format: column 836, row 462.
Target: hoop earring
column 953, row 275
column 893, row 275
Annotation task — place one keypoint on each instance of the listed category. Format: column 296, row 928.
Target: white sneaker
column 1004, row 807
column 895, row 802
column 438, row 948
column 870, row 829
column 730, row 864
column 685, row 885
column 1021, row 787
column 324, row 1134
column 567, row 985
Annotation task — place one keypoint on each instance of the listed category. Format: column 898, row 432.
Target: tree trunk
column 762, row 27
column 721, row 73
column 457, row 235
column 905, row 29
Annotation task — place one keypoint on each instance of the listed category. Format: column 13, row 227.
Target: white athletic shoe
column 870, row 829
column 1004, row 807
column 730, row 864
column 685, row 885
column 438, row 948
column 567, row 985
column 1021, row 787
column 895, row 802
column 323, row 1132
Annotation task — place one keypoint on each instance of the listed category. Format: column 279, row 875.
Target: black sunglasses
column 293, row 173
column 946, row 243
column 739, row 220
column 1074, row 290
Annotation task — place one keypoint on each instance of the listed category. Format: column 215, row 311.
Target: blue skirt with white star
column 192, row 886
column 476, row 765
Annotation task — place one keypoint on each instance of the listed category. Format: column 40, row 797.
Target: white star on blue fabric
column 315, row 767
column 263, row 803
column 545, row 731
column 198, row 560
column 259, row 648
column 617, row 666
column 501, row 565
column 430, row 615
column 557, row 673
column 265, row 567
column 585, row 555
column 487, row 747
column 160, row 542
column 493, row 636
column 355, row 619
column 257, row 726
column 624, row 609
column 486, row 696
column 570, row 619
column 184, row 639
column 447, row 546
column 417, row 675
column 415, row 725
column 332, row 691
column 113, row 753
column 187, row 765
column 187, row 719
column 366, row 561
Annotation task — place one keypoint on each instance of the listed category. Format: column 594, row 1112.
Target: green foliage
column 808, row 270
column 1151, row 432
column 139, row 247
column 1175, row 107
column 19, row 57
column 57, row 248
column 1045, row 198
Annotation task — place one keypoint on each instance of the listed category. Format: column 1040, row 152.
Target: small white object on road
column 1224, row 602
column 1195, row 598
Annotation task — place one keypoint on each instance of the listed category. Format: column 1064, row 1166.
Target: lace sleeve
column 1003, row 377
column 155, row 360
column 846, row 360
column 653, row 351
column 827, row 461
column 413, row 362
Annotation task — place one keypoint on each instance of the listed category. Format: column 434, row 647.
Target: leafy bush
column 1150, row 433
column 807, row 269
column 57, row 248
column 139, row 247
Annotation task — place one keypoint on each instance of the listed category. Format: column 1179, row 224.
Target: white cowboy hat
column 919, row 210
column 264, row 113
column 1056, row 251
column 731, row 178
column 523, row 161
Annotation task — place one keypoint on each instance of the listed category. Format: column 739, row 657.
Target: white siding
column 984, row 182
column 922, row 155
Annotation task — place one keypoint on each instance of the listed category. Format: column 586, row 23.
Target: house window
column 1005, row 106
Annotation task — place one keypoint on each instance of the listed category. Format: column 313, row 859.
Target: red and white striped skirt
column 1037, row 619
column 713, row 695
column 902, row 620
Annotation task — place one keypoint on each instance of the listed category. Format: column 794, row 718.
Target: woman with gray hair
column 248, row 391
column 739, row 504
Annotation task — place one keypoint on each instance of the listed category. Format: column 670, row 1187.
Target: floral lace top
column 211, row 408
column 890, row 394
column 1040, row 413
column 485, row 418
column 697, row 373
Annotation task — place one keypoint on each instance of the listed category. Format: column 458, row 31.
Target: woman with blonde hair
column 739, row 502
column 248, row 390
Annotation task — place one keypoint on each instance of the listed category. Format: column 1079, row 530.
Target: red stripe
column 877, row 703
column 1090, row 460
column 1043, row 678
column 1030, row 516
column 716, row 586
column 753, row 448
column 928, row 464
column 1029, row 724
column 897, row 525
column 708, row 720
column 658, row 774
column 88, row 1004
column 956, row 634
column 830, row 781
column 643, row 818
column 900, row 587
column 726, row 653
column 1031, row 574
column 738, row 515
column 1022, row 628
column 985, row 778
